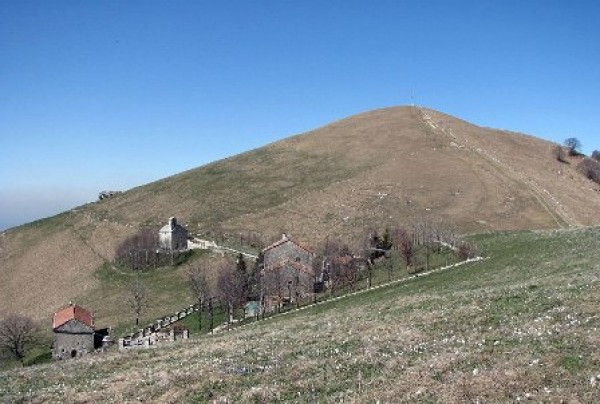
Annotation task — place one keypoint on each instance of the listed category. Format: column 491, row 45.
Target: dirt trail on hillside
column 546, row 200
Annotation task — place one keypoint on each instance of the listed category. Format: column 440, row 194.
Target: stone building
column 287, row 250
column 73, row 329
column 287, row 272
column 173, row 236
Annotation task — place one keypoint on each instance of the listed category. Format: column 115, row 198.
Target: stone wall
column 72, row 339
column 67, row 345
column 288, row 251
column 159, row 331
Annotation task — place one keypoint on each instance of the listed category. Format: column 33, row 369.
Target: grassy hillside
column 386, row 166
column 522, row 324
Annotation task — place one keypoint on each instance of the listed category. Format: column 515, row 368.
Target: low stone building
column 287, row 250
column 287, row 272
column 73, row 329
column 173, row 236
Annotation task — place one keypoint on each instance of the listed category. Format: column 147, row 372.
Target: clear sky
column 99, row 95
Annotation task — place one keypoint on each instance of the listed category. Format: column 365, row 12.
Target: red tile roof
column 72, row 312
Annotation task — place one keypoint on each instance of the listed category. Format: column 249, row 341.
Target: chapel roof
column 172, row 225
column 72, row 312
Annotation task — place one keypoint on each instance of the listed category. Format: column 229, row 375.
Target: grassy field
column 523, row 324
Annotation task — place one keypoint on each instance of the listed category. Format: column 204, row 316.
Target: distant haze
column 99, row 95
column 22, row 206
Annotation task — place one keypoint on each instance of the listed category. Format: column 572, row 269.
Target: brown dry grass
column 389, row 165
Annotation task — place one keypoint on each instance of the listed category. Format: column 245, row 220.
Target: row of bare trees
column 140, row 252
column 234, row 286
column 343, row 265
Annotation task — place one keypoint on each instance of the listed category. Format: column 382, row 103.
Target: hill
column 386, row 166
column 521, row 324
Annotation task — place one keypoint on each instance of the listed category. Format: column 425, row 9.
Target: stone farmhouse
column 173, row 236
column 75, row 335
column 73, row 329
column 287, row 272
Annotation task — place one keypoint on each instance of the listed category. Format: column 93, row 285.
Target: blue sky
column 114, row 94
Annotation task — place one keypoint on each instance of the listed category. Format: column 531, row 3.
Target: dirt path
column 196, row 243
column 546, row 200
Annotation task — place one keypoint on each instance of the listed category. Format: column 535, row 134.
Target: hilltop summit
column 391, row 165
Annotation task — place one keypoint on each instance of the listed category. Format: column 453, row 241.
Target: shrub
column 466, row 250
column 591, row 169
column 559, row 154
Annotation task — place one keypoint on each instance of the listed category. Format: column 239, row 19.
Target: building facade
column 73, row 329
column 173, row 236
column 287, row 250
column 287, row 272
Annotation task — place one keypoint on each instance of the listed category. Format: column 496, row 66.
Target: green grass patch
column 571, row 363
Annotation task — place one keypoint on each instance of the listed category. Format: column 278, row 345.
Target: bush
column 573, row 145
column 466, row 250
column 591, row 169
column 559, row 154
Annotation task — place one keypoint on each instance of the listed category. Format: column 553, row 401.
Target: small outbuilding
column 73, row 329
column 173, row 236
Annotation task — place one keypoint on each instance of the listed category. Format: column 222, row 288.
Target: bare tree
column 404, row 242
column 17, row 335
column 407, row 250
column 137, row 298
column 573, row 145
column 272, row 286
column 559, row 154
column 330, row 252
column 242, row 279
column 350, row 271
column 343, row 269
column 427, row 234
column 466, row 250
column 231, row 290
column 591, row 169
column 198, row 286
column 362, row 246
column 139, row 252
column 429, row 245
